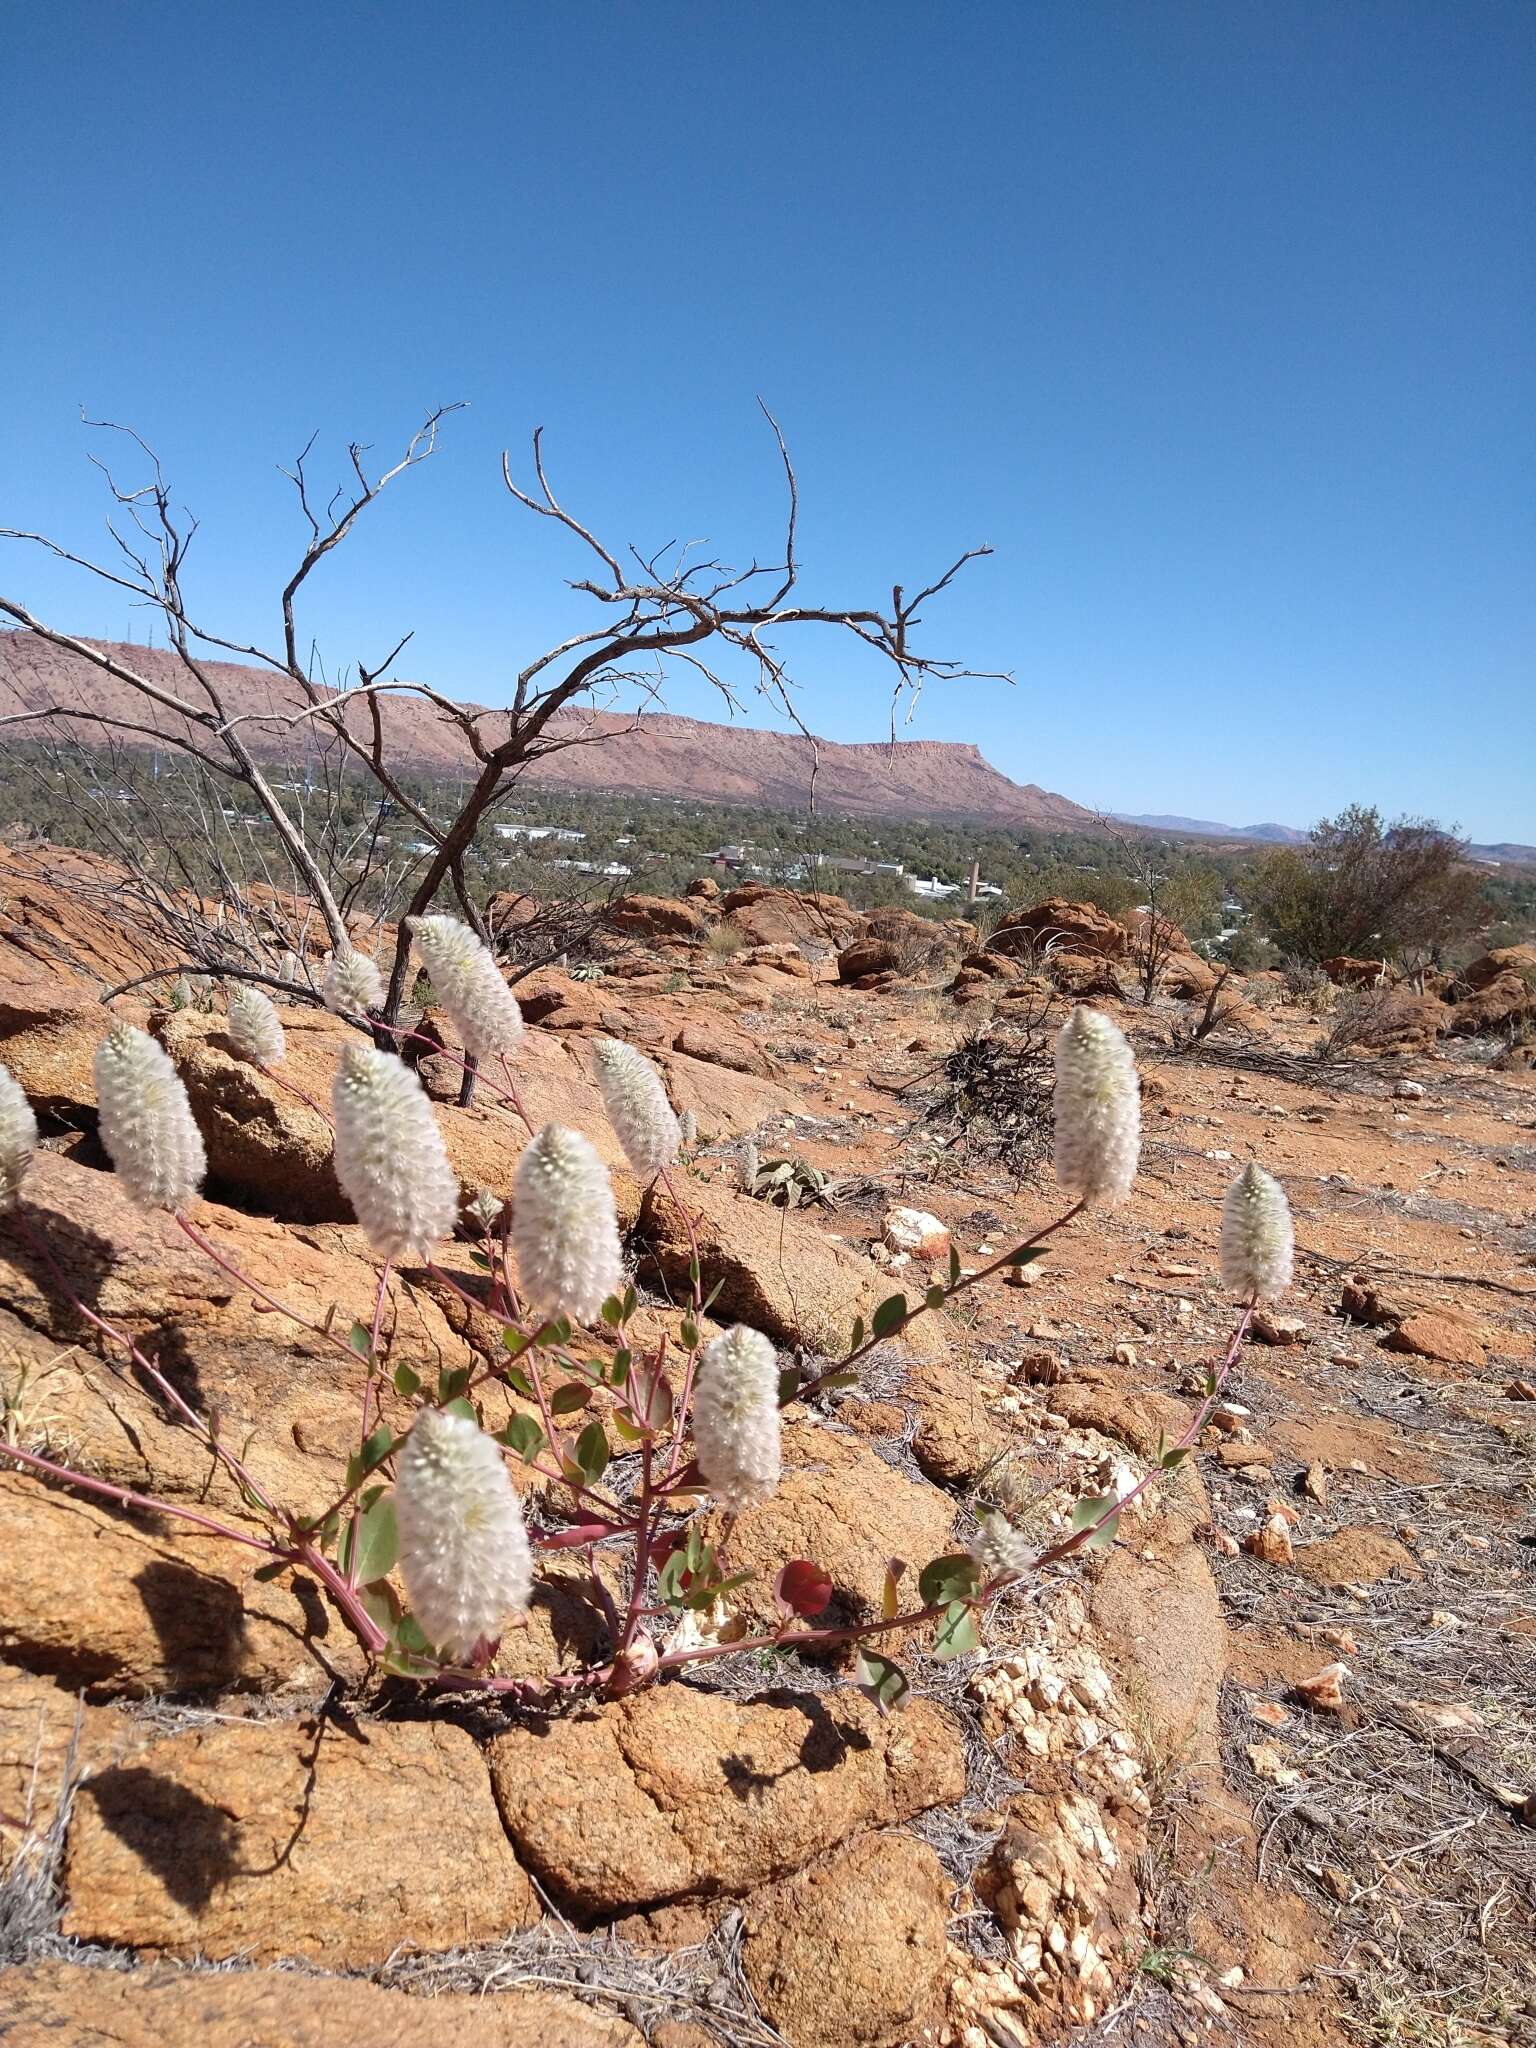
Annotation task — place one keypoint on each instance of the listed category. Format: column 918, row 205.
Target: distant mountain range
column 652, row 754
column 1204, row 828
column 1506, row 850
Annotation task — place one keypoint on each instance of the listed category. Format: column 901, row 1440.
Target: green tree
column 1363, row 887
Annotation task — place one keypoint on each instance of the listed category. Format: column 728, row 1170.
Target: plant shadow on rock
column 824, row 1747
column 82, row 1254
column 200, row 1621
column 186, row 1842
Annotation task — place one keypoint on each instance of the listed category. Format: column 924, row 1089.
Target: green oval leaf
column 524, row 1436
column 949, row 1578
column 957, row 1632
column 592, row 1451
column 377, row 1542
column 890, row 1315
column 1089, row 1511
column 882, row 1680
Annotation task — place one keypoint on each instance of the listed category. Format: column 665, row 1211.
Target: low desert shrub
column 435, row 1510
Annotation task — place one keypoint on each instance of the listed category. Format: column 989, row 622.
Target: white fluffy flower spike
column 351, row 983
column 565, row 1229
column 464, row 1552
column 1097, row 1108
column 736, row 1417
column 389, row 1155
column 18, row 1138
column 146, row 1120
column 1258, row 1240
column 999, row 1548
column 637, row 1106
column 255, row 1027
column 468, row 983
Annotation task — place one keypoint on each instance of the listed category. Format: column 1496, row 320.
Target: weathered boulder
column 719, row 1046
column 704, row 889
column 102, row 1603
column 1345, row 971
column 1186, row 976
column 656, row 917
column 1400, row 1021
column 727, row 1102
column 1502, row 1004
column 768, row 916
column 1517, row 960
column 48, row 1737
column 850, row 1952
column 680, row 1793
column 50, row 1027
column 286, row 1398
column 1440, row 1334
column 1060, row 923
column 957, row 1440
column 1356, row 1557
column 159, row 2006
column 773, row 1267
column 271, row 1150
column 865, row 957
column 263, row 1840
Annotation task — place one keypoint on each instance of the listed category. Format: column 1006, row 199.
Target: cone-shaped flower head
column 352, row 982
column 146, row 1120
column 255, row 1027
column 18, row 1138
column 565, row 1230
column 736, row 1417
column 999, row 1548
column 389, row 1155
column 749, row 1166
column 637, row 1106
column 467, row 982
column 1097, row 1107
column 464, row 1552
column 1257, row 1238
column 688, row 1129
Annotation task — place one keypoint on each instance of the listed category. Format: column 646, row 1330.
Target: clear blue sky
column 1215, row 317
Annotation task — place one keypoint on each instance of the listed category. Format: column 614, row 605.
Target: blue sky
column 1214, row 317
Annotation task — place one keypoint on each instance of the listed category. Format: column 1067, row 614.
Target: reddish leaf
column 802, row 1587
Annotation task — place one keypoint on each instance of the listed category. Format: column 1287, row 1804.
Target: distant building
column 556, row 832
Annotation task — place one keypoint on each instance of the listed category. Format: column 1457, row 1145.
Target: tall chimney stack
column 973, row 886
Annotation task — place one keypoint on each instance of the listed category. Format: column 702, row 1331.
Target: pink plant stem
column 1082, row 1537
column 294, row 1089
column 189, row 1415
column 211, row 1251
column 1008, row 1258
column 366, row 1629
column 643, row 1540
column 368, row 1385
column 515, row 1097
column 138, row 1500
column 695, row 1274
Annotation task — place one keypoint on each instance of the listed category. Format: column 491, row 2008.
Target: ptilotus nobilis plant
column 435, row 1506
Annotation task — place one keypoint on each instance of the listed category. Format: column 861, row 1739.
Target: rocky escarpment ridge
column 652, row 753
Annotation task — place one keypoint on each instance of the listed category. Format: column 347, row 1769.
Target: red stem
column 211, row 1251
column 189, row 1415
column 138, row 1500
